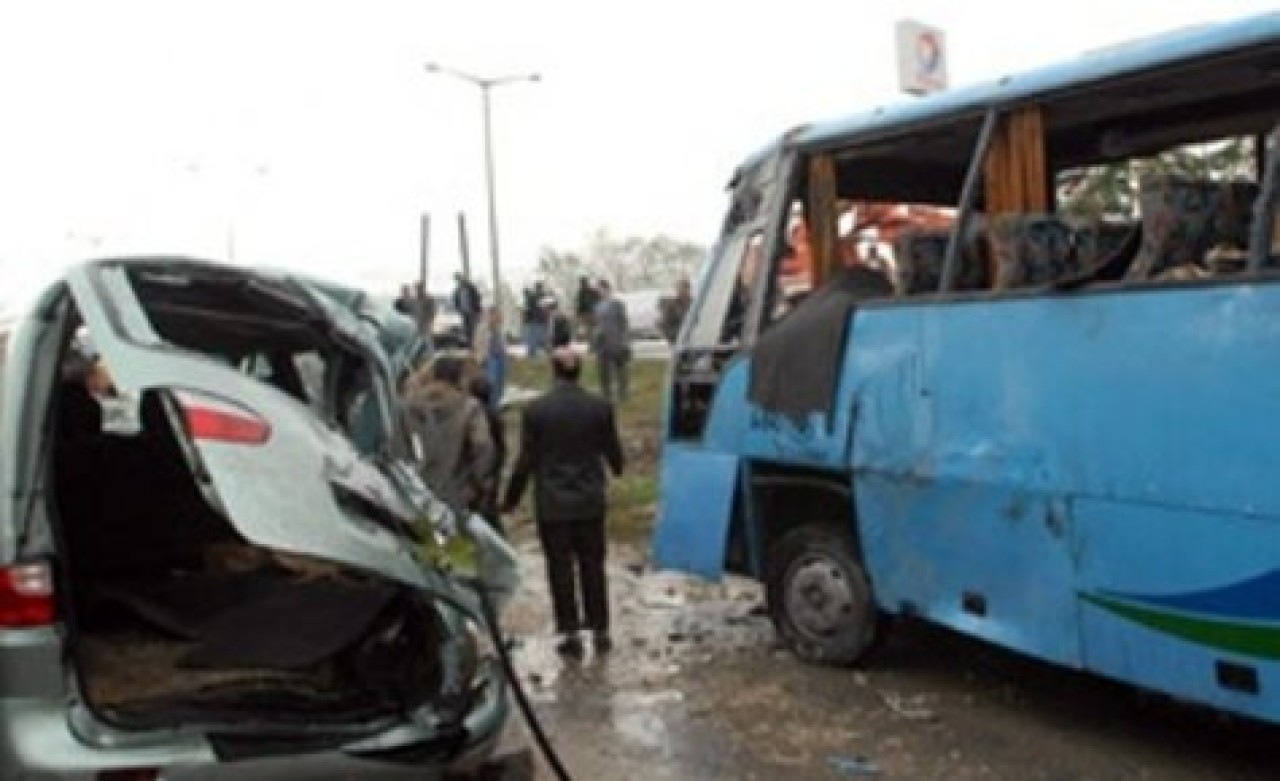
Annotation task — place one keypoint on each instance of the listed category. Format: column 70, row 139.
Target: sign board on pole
column 922, row 58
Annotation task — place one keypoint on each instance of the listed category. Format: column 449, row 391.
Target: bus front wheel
column 819, row 596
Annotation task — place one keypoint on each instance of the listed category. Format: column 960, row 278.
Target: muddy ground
column 697, row 688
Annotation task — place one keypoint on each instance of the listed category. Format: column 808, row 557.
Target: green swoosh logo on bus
column 1250, row 638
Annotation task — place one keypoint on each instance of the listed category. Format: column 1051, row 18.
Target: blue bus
column 1006, row 359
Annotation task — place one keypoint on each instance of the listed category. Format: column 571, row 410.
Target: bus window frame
column 1264, row 213
column 968, row 192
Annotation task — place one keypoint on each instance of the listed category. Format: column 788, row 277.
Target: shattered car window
column 267, row 331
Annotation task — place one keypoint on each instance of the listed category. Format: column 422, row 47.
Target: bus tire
column 819, row 597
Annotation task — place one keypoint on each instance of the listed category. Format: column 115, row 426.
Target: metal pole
column 425, row 239
column 951, row 264
column 464, row 247
column 493, row 207
column 422, row 305
column 1264, row 209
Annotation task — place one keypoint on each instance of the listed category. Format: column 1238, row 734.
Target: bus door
column 701, row 456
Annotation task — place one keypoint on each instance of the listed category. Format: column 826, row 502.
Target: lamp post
column 486, row 85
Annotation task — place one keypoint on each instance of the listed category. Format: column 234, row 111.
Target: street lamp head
column 432, row 67
column 535, row 77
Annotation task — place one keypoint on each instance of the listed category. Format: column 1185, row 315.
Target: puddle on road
column 635, row 705
column 662, row 624
column 642, row 718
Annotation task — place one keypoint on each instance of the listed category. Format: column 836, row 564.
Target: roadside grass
column 633, row 498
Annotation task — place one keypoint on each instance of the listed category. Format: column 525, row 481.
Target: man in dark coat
column 567, row 437
column 467, row 300
column 584, row 308
column 612, row 344
column 559, row 329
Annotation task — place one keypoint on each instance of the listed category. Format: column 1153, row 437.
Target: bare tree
column 1111, row 189
column 629, row 262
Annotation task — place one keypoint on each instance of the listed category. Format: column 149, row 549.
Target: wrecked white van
column 232, row 587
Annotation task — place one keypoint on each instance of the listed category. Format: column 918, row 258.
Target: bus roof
column 1179, row 46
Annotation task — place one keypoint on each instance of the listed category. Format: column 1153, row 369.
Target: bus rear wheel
column 819, row 597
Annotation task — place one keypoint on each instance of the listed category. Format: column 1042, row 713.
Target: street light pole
column 490, row 189
column 486, row 86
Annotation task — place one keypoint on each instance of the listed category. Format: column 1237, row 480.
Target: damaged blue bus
column 1021, row 380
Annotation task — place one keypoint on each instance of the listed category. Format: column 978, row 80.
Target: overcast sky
column 307, row 134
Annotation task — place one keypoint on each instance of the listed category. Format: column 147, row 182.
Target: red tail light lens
column 220, row 420
column 26, row 596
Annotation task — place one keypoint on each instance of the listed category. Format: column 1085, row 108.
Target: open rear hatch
column 239, row 559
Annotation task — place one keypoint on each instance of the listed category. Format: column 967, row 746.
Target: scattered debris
column 649, row 699
column 908, row 708
column 854, row 766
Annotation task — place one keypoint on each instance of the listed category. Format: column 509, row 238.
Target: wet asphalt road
column 696, row 688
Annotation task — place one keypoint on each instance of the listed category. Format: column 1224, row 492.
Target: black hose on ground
column 530, row 718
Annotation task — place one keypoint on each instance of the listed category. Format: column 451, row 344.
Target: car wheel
column 819, row 596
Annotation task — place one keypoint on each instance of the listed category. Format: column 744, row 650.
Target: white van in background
column 644, row 312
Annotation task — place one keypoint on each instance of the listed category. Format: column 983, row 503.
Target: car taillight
column 220, row 420
column 26, row 596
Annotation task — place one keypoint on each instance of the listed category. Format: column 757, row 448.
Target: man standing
column 612, row 344
column 451, row 434
column 415, row 303
column 674, row 311
column 584, row 308
column 535, row 320
column 559, row 329
column 490, row 352
column 466, row 299
column 567, row 437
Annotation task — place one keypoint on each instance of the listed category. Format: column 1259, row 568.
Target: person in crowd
column 404, row 302
column 567, row 438
column 584, row 308
column 612, row 344
column 535, row 319
column 451, row 433
column 416, row 304
column 491, row 482
column 490, row 352
column 559, row 328
column 467, row 300
column 674, row 311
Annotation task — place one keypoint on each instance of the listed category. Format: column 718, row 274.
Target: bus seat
column 1234, row 214
column 1097, row 240
column 920, row 254
column 1177, row 224
column 1032, row 249
column 1229, row 240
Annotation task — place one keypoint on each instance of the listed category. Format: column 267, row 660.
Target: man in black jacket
column 567, row 437
column 468, row 302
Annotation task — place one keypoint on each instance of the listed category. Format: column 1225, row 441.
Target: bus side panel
column 1041, row 407
column 989, row 557
column 820, row 441
column 1182, row 626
